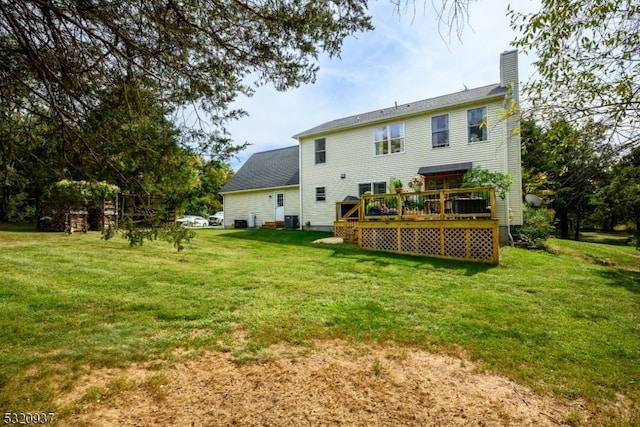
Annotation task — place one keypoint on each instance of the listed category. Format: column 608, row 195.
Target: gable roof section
column 267, row 169
column 440, row 102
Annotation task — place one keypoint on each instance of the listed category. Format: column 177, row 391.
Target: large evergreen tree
column 27, row 162
column 63, row 54
column 128, row 141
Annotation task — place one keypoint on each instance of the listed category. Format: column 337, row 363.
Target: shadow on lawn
column 384, row 259
column 618, row 238
column 630, row 280
column 351, row 250
column 283, row 237
column 18, row 228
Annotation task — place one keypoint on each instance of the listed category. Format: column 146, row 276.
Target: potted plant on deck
column 396, row 183
column 392, row 205
column 416, row 183
column 373, row 209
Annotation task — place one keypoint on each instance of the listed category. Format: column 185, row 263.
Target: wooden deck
column 453, row 224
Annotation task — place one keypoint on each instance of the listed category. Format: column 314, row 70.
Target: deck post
column 496, row 245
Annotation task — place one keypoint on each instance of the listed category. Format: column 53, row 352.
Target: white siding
column 238, row 205
column 515, row 169
column 351, row 152
column 509, row 72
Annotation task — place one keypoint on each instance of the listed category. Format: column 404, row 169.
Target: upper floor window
column 440, row 131
column 320, row 150
column 373, row 187
column 320, row 194
column 389, row 139
column 477, row 123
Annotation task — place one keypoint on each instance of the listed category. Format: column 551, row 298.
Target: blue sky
column 405, row 59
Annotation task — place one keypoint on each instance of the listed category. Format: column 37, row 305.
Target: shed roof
column 267, row 169
column 444, row 101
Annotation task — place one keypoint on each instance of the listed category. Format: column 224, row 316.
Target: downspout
column 300, row 222
column 506, row 170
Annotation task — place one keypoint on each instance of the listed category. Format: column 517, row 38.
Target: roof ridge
column 433, row 98
column 276, row 149
column 414, row 107
column 275, row 169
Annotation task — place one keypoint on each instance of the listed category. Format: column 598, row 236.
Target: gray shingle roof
column 466, row 96
column 453, row 167
column 268, row 169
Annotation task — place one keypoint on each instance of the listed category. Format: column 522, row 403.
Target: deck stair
column 351, row 224
column 273, row 225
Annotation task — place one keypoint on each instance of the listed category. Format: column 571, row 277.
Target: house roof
column 463, row 97
column 267, row 169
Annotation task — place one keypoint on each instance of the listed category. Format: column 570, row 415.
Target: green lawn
column 566, row 323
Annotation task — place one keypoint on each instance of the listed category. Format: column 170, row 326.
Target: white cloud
column 404, row 59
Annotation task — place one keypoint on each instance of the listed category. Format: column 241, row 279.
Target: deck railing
column 459, row 203
column 455, row 224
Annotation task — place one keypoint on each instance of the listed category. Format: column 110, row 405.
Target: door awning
column 453, row 167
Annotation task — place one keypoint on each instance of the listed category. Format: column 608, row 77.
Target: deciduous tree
column 619, row 199
column 588, row 63
column 565, row 163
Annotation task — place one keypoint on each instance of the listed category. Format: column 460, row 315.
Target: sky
column 406, row 58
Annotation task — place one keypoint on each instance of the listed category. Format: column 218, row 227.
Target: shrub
column 479, row 177
column 537, row 226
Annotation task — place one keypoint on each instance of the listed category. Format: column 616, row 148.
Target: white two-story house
column 439, row 138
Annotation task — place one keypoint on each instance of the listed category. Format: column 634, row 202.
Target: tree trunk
column 564, row 224
column 576, row 233
column 4, row 203
column 4, row 200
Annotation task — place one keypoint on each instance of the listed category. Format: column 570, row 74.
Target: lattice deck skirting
column 472, row 240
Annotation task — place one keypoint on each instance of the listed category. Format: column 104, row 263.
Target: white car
column 193, row 221
column 217, row 218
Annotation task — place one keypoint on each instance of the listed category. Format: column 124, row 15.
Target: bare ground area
column 333, row 383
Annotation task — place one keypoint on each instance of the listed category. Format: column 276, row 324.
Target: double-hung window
column 477, row 124
column 373, row 187
column 320, row 150
column 320, row 194
column 389, row 139
column 440, row 131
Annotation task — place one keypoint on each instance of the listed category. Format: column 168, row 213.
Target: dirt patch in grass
column 332, row 383
column 330, row 240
